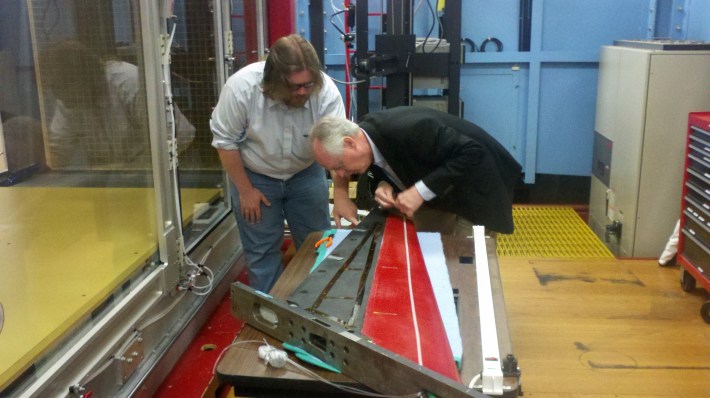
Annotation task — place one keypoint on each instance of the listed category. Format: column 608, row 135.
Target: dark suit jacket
column 470, row 172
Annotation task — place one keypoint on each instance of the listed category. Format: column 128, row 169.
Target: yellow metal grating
column 550, row 231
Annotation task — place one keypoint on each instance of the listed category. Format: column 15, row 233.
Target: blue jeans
column 302, row 201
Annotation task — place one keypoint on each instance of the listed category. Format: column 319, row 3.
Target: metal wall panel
column 555, row 100
column 567, row 101
column 644, row 106
column 490, row 96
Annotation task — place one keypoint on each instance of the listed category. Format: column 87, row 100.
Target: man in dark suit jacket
column 422, row 158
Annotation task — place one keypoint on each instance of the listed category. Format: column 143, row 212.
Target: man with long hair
column 261, row 128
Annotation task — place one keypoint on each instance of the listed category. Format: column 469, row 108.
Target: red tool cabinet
column 694, row 239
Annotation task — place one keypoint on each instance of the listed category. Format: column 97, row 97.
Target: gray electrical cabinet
column 645, row 92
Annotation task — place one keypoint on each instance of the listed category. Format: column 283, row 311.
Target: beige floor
column 605, row 328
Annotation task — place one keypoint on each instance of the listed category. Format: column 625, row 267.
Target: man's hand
column 343, row 207
column 250, row 198
column 250, row 204
column 384, row 195
column 408, row 201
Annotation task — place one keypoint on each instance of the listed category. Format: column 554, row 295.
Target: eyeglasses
column 306, row 85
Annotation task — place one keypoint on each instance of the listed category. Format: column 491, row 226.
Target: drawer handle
column 706, row 148
column 706, row 206
column 706, row 159
column 706, row 175
column 691, row 231
column 699, row 217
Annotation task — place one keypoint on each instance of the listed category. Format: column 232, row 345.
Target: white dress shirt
column 111, row 131
column 381, row 162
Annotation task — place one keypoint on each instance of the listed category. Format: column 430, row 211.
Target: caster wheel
column 705, row 311
column 687, row 282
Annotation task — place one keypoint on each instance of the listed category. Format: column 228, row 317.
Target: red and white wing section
column 402, row 314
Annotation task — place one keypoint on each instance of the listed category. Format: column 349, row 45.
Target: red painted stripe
column 191, row 375
column 402, row 315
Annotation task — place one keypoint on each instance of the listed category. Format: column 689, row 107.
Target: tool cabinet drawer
column 699, row 161
column 700, row 135
column 697, row 253
column 698, row 195
column 700, row 214
column 698, row 181
column 698, row 229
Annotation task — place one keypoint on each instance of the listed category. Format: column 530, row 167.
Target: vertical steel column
column 524, row 25
column 452, row 34
column 153, row 27
column 315, row 22
column 399, row 18
column 224, row 58
column 361, row 54
column 399, row 23
column 261, row 27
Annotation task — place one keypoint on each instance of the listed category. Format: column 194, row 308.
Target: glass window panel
column 195, row 90
column 77, row 201
column 77, row 216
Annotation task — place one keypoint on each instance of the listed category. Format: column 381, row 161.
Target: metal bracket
column 131, row 358
column 349, row 351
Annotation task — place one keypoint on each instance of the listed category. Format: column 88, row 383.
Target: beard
column 296, row 101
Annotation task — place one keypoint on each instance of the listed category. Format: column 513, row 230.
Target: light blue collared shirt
column 273, row 138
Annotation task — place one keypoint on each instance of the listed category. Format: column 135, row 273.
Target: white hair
column 330, row 131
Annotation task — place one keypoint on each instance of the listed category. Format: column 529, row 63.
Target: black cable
column 498, row 43
column 333, row 23
column 431, row 29
column 471, row 43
